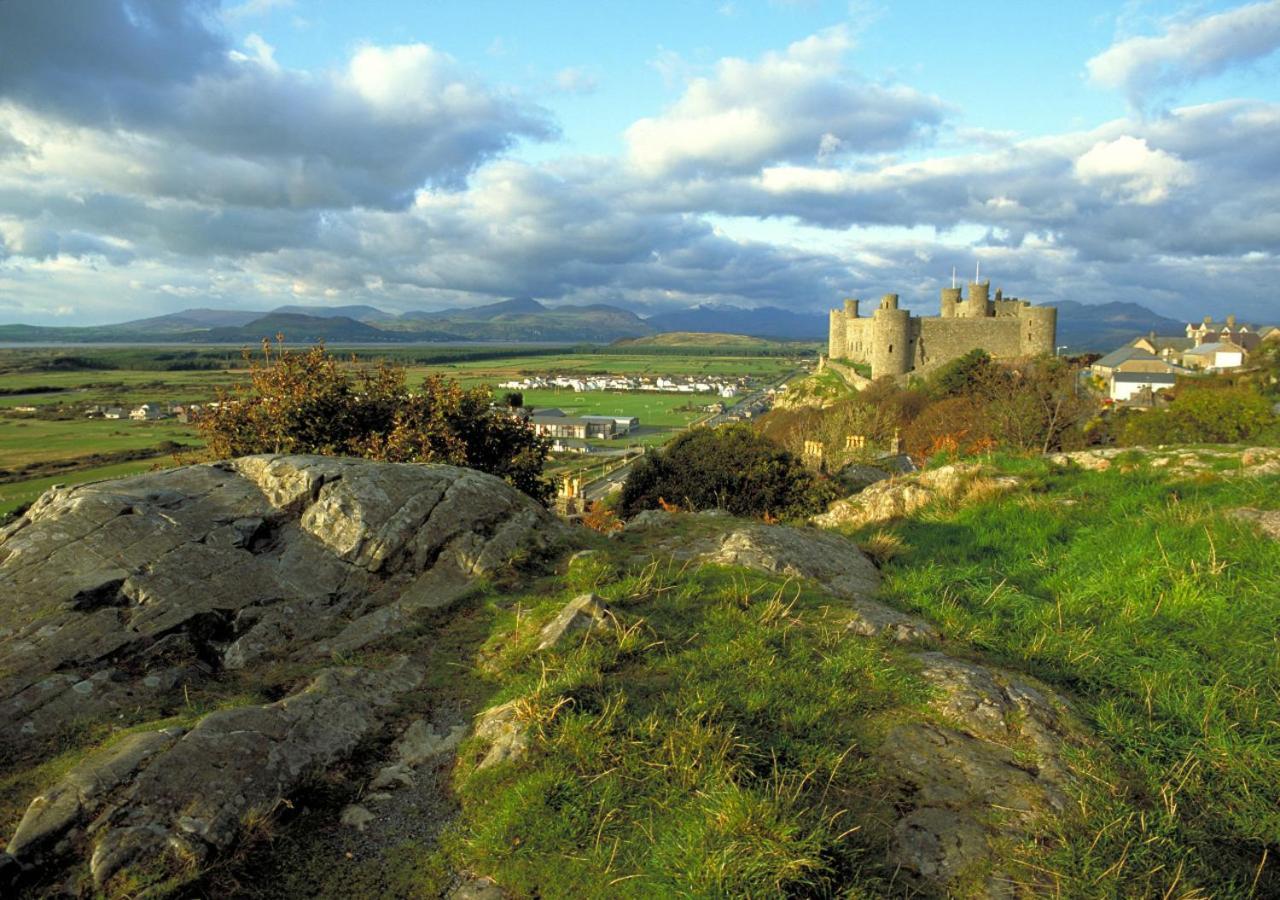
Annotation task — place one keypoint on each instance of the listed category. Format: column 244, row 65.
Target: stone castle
column 894, row 342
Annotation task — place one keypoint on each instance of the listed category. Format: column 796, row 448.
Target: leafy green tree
column 308, row 402
column 730, row 468
column 963, row 376
column 1203, row 413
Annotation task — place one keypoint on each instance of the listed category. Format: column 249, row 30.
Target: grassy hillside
column 697, row 339
column 721, row 739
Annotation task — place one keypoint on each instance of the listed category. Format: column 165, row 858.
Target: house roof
column 1124, row 354
column 1214, row 347
column 1222, row 326
column 557, row 420
column 1167, row 342
column 1145, row 377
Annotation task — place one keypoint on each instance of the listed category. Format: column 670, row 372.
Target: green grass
column 614, row 363
column 653, row 409
column 27, row 440
column 113, row 387
column 678, row 756
column 21, row 493
column 715, row 744
column 1134, row 594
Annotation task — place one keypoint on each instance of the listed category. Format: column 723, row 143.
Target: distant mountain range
column 1081, row 326
column 1105, row 326
column 763, row 321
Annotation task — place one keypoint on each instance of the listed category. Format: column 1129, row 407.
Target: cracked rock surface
column 895, row 498
column 831, row 560
column 990, row 769
column 122, row 596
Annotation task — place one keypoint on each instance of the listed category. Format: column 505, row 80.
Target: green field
column 66, row 384
column 653, row 409
column 36, row 440
column 488, row 371
column 21, row 493
column 112, row 387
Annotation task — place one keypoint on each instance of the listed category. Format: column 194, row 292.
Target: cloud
column 240, row 182
column 1130, row 171
column 255, row 8
column 789, row 106
column 152, row 74
column 1188, row 50
column 573, row 80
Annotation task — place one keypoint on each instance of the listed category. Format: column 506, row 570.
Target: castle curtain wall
column 942, row 340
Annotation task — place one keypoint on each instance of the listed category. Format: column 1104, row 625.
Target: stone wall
column 941, row 341
column 894, row 343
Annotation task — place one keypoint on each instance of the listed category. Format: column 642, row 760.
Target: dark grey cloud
column 213, row 176
column 158, row 78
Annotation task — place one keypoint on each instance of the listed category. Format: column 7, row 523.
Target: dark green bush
column 730, row 468
column 1202, row 414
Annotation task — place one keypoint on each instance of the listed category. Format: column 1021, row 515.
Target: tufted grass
column 1130, row 590
column 714, row 744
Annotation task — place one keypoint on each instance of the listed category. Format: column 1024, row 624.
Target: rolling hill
column 1081, row 327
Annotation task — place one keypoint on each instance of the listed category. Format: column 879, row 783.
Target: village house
column 1131, row 370
column 149, row 412
column 1230, row 331
column 1215, row 356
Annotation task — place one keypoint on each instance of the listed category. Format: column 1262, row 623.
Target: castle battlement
column 894, row 342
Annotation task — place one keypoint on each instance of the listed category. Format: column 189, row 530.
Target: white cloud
column 386, row 181
column 1189, row 50
column 260, row 52
column 1128, row 170
column 790, row 106
column 255, row 8
column 573, row 80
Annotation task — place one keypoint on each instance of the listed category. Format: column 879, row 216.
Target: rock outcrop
column 832, row 561
column 122, row 596
column 583, row 614
column 1230, row 462
column 895, row 498
column 1265, row 520
column 991, row 770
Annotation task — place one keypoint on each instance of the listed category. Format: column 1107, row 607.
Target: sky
column 157, row 155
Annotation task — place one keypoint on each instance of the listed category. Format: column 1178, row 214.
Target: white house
column 1125, row 384
column 1215, row 356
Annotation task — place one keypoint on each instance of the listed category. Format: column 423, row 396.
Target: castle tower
column 979, row 300
column 950, row 302
column 1039, row 330
column 851, row 307
column 891, row 347
column 837, row 346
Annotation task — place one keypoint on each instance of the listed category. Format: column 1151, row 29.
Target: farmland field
column 28, row 440
column 652, row 408
column 23, row 492
column 491, row 371
column 63, row 445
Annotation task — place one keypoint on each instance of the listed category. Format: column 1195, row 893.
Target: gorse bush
column 1202, row 413
column 729, row 468
column 972, row 405
column 308, row 402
